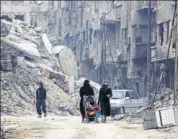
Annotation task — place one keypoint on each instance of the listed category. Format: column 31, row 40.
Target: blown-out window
column 161, row 33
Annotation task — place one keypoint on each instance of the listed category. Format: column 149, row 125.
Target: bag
column 98, row 113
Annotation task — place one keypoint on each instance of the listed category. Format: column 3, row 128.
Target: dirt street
column 72, row 128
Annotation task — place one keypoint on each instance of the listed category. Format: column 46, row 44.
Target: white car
column 123, row 100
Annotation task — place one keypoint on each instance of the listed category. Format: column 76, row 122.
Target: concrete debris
column 18, row 94
column 163, row 98
column 67, row 60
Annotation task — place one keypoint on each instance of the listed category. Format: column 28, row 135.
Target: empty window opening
column 87, row 23
column 137, row 88
column 20, row 17
column 6, row 18
column 84, row 37
column 153, row 34
column 91, row 33
column 161, row 33
column 124, row 35
column 167, row 26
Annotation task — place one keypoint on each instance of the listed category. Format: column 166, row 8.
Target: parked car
column 123, row 100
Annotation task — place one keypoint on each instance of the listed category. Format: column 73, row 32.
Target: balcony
column 111, row 17
column 144, row 5
column 160, row 53
column 140, row 52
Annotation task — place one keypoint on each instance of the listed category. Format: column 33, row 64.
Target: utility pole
column 176, row 64
column 149, row 54
column 103, row 52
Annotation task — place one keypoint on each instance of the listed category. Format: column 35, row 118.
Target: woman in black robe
column 104, row 101
column 86, row 90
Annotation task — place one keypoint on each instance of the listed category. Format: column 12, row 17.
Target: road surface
column 72, row 128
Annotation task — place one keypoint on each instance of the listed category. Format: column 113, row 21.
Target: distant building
column 127, row 32
column 44, row 14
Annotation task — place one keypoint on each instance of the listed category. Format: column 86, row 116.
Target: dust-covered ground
column 72, row 128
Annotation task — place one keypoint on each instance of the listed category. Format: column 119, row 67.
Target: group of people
column 86, row 90
column 104, row 99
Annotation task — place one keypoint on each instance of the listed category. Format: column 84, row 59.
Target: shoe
column 45, row 115
column 96, row 121
column 39, row 116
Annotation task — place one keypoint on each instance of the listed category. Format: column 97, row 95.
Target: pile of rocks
column 18, row 92
column 163, row 98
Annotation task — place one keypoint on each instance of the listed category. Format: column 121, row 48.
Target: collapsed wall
column 18, row 93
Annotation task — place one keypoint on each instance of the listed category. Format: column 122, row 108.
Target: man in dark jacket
column 86, row 90
column 104, row 101
column 41, row 100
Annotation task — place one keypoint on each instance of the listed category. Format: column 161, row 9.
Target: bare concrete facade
column 127, row 31
column 44, row 14
column 159, row 51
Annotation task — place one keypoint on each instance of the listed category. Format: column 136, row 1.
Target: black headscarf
column 86, row 83
column 41, row 85
column 86, row 89
column 105, row 85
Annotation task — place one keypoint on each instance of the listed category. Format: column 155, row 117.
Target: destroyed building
column 29, row 57
column 126, row 40
column 43, row 14
column 160, row 48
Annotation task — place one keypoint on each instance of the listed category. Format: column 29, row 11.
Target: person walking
column 85, row 90
column 104, row 101
column 41, row 100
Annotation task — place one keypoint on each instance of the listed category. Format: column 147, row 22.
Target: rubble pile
column 18, row 94
column 163, row 98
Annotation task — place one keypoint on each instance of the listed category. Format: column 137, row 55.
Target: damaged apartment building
column 37, row 14
column 116, row 50
column 159, row 51
column 43, row 14
column 82, row 31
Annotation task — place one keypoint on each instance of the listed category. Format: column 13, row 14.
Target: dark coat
column 104, row 100
column 86, row 90
column 41, row 94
